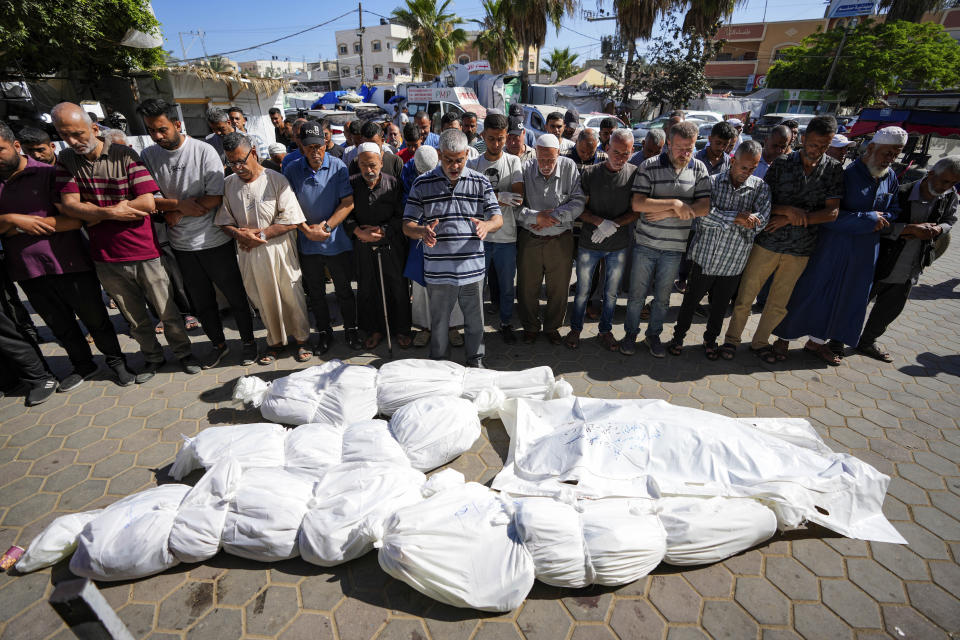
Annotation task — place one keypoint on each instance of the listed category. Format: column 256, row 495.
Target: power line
column 263, row 44
column 583, row 35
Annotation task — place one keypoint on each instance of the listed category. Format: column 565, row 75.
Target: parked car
column 593, row 120
column 767, row 122
column 535, row 117
column 640, row 130
column 338, row 121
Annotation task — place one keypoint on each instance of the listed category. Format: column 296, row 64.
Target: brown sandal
column 373, row 340
column 608, row 342
column 823, row 352
column 404, row 340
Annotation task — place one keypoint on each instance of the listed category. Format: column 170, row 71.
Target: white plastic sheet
column 706, row 530
column 611, row 541
column 434, row 431
column 333, row 393
column 128, row 539
column 198, row 526
column 459, row 547
column 252, row 445
column 349, row 500
column 652, row 449
column 57, row 541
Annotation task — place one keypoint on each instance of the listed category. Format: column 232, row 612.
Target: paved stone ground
column 86, row 449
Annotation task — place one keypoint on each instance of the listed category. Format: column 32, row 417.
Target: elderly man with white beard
column 830, row 299
column 376, row 224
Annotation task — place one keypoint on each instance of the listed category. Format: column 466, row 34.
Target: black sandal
column 712, row 351
column 766, row 354
column 675, row 348
column 728, row 351
column 270, row 355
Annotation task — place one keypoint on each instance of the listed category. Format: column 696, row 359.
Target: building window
column 345, row 72
column 356, row 47
column 388, row 44
column 463, row 59
column 343, row 49
column 390, row 70
column 377, row 71
column 750, row 55
column 359, row 71
column 375, row 45
column 724, row 56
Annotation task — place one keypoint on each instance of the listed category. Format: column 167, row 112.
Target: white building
column 273, row 68
column 382, row 63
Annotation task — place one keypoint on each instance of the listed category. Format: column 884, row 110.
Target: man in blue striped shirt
column 451, row 209
column 670, row 190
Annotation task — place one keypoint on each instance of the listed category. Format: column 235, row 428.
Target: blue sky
column 242, row 23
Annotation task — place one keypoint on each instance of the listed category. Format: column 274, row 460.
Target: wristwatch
column 263, row 236
column 326, row 228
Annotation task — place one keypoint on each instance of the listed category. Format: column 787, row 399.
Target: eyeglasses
column 239, row 163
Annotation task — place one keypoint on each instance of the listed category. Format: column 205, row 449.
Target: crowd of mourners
column 422, row 220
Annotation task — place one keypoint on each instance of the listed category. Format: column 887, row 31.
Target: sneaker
column 123, row 377
column 509, row 337
column 657, row 350
column 324, row 340
column 41, row 392
column 149, row 370
column 75, row 379
column 190, row 365
column 628, row 346
column 214, row 356
column 248, row 353
column 422, row 338
column 455, row 338
column 354, row 341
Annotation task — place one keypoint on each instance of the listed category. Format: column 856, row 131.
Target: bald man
column 106, row 186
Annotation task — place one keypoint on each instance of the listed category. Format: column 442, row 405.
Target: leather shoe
column 529, row 337
column 323, row 343
column 353, row 339
column 554, row 337
column 509, row 337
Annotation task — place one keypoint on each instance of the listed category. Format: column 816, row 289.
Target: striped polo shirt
column 457, row 258
column 658, row 179
column 116, row 174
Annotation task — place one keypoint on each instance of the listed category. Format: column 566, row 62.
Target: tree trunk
column 628, row 71
column 524, row 75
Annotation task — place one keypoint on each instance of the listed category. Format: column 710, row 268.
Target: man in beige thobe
column 259, row 211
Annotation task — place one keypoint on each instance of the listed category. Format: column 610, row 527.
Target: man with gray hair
column 928, row 212
column 669, row 191
column 220, row 125
column 721, row 244
column 109, row 188
column 586, row 151
column 830, row 299
column 260, row 212
column 451, row 209
column 652, row 146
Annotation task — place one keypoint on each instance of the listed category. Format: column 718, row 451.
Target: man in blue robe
column 830, row 299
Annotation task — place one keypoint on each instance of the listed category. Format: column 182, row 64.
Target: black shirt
column 609, row 197
column 378, row 207
column 336, row 151
column 392, row 165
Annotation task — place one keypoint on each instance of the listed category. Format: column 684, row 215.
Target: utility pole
column 836, row 58
column 363, row 77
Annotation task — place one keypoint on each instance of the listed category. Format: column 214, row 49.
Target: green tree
column 434, row 35
column 912, row 10
column 674, row 74
column 528, row 20
column 496, row 41
column 704, row 15
column 877, row 59
column 80, row 38
column 562, row 62
column 216, row 63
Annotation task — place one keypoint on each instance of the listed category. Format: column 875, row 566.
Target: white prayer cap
column 548, row 141
column 840, row 140
column 735, row 122
column 369, row 147
column 425, row 158
column 276, row 148
column 890, row 135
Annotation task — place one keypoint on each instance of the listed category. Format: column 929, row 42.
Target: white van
column 439, row 101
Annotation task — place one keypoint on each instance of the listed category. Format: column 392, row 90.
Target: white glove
column 509, row 198
column 603, row 231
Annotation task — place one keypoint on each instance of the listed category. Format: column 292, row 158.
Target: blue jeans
column 653, row 271
column 503, row 255
column 587, row 260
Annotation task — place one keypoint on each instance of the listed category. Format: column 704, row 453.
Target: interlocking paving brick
column 713, row 581
column 138, row 618
column 30, row 509
column 904, row 622
column 357, row 620
column 271, row 610
column 686, row 633
column 588, row 604
column 937, row 522
column 237, row 586
column 745, row 564
column 593, row 632
column 875, row 580
column 854, row 606
column 219, row 624
column 815, row 621
column 156, row 588
column 82, row 494
column 723, row 620
column 635, row 619
column 792, row 578
column 184, row 606
column 545, row 620
column 900, row 560
column 312, row 626
column 818, row 557
column 922, row 542
column 763, row 601
column 21, row 593
column 936, row 604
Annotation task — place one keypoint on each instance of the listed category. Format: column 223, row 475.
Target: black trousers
column 720, row 289
column 203, row 269
column 369, row 296
column 60, row 300
column 19, row 355
column 341, row 270
column 891, row 298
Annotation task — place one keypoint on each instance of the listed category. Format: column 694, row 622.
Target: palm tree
column 528, row 21
column 704, row 15
column 216, row 63
column 496, row 41
column 434, row 35
column 562, row 62
column 635, row 20
column 912, row 10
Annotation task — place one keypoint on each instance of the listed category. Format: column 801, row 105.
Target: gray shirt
column 502, row 174
column 559, row 191
column 192, row 171
column 907, row 266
